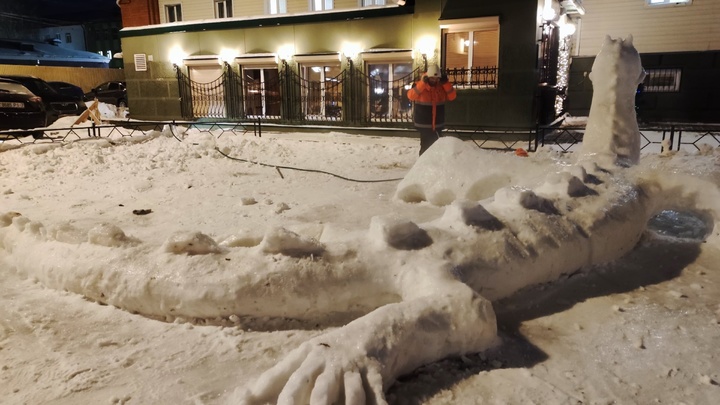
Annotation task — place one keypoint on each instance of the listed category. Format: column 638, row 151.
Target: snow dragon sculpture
column 424, row 291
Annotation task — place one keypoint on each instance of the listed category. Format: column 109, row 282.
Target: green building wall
column 513, row 103
column 153, row 94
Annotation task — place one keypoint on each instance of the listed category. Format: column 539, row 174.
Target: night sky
column 78, row 10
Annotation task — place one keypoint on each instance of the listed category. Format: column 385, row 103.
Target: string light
column 563, row 72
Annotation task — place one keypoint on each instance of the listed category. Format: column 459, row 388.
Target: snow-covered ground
column 643, row 329
column 181, row 266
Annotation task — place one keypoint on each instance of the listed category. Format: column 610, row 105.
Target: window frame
column 663, row 3
column 278, row 6
column 224, row 7
column 395, row 98
column 372, row 3
column 475, row 76
column 264, row 93
column 325, row 68
column 325, row 5
column 176, row 10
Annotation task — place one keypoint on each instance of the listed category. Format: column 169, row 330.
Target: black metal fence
column 665, row 136
column 474, row 78
column 116, row 130
column 352, row 97
column 662, row 136
column 661, row 80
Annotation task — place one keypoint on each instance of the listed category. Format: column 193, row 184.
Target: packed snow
column 188, row 266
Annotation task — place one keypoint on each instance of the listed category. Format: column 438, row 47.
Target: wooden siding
column 298, row 6
column 193, row 10
column 654, row 29
column 87, row 78
column 248, row 8
column 343, row 4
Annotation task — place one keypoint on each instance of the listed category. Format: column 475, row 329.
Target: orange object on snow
column 521, row 152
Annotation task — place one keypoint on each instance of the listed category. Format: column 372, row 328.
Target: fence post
column 185, row 94
column 672, row 137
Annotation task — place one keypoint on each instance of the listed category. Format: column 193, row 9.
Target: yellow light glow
column 351, row 49
column 426, row 45
column 549, row 12
column 286, row 52
column 227, row 55
column 177, row 55
column 567, row 29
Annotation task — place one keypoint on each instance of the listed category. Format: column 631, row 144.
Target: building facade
column 347, row 62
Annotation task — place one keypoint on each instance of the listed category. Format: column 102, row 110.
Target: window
column 662, row 80
column 173, row 13
column 261, row 88
column 389, row 84
column 320, row 5
column 368, row 3
column 277, row 6
column 68, row 38
column 669, row 2
column 470, row 52
column 322, row 91
column 223, row 8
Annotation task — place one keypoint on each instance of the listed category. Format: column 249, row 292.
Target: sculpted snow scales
column 452, row 267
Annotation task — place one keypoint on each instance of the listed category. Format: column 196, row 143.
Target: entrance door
column 261, row 87
column 322, row 91
column 389, row 84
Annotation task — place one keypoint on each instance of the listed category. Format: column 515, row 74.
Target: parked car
column 56, row 105
column 20, row 108
column 68, row 89
column 113, row 93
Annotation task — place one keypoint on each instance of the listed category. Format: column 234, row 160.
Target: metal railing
column 665, row 136
column 662, row 136
column 353, row 97
column 485, row 77
column 119, row 129
column 507, row 139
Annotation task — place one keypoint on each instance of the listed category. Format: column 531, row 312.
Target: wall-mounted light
column 426, row 47
column 177, row 55
column 549, row 12
column 285, row 52
column 351, row 49
column 567, row 29
column 227, row 55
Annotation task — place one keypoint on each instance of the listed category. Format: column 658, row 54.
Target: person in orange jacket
column 430, row 94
